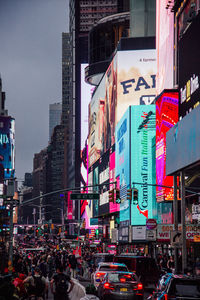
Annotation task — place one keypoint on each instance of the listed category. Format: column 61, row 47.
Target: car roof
column 111, row 264
column 121, row 272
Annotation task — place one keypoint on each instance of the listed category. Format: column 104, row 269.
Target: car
column 145, row 268
column 178, row 287
column 104, row 268
column 120, row 285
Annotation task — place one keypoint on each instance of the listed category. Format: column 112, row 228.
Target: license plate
column 123, row 290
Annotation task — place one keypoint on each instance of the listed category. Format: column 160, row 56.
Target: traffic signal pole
column 10, row 260
column 175, row 210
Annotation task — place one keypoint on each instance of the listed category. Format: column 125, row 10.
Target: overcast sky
column 30, row 67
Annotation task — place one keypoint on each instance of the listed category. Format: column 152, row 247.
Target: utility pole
column 175, row 209
column 184, row 250
column 11, row 235
column 34, row 213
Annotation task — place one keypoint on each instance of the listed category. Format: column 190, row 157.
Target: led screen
column 143, row 131
column 166, row 118
column 122, row 167
column 104, row 181
column 7, row 147
column 129, row 80
column 113, row 206
column 136, row 79
column 164, row 46
column 189, row 74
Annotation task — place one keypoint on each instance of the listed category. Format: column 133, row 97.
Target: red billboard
column 166, row 118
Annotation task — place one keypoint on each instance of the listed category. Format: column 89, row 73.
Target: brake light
column 99, row 274
column 122, row 279
column 138, row 287
column 108, row 286
column 166, row 297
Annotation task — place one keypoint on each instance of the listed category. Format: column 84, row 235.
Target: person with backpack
column 37, row 285
column 60, row 285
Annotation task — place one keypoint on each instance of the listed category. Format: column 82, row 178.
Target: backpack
column 39, row 286
column 61, row 284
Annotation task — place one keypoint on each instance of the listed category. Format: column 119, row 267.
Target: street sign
column 80, row 196
column 151, row 224
column 151, row 235
column 176, row 238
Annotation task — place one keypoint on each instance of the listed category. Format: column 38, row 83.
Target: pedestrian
column 37, row 284
column 171, row 264
column 60, row 285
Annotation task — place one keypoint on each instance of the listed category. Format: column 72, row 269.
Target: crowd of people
column 38, row 273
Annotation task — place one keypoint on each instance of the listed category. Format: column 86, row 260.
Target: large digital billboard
column 122, row 166
column 189, row 71
column 164, row 46
column 7, row 147
column 113, row 206
column 143, row 132
column 136, row 79
column 166, row 118
column 129, row 80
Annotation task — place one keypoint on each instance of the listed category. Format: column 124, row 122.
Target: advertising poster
column 113, row 206
column 136, row 79
column 143, row 133
column 166, row 118
column 7, row 147
column 189, row 75
column 95, row 189
column 86, row 95
column 164, row 46
column 122, row 167
column 96, row 121
column 104, row 183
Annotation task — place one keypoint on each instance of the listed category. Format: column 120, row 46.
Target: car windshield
column 117, row 277
column 185, row 288
column 113, row 267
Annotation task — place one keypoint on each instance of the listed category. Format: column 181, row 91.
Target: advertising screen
column 7, row 147
column 113, row 206
column 129, row 80
column 96, row 121
column 164, row 46
column 189, row 72
column 143, row 131
column 104, row 183
column 166, row 118
column 122, row 167
column 136, row 79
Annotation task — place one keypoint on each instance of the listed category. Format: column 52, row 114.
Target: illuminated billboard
column 136, row 79
column 143, row 132
column 122, row 166
column 164, row 46
column 129, row 80
column 104, row 181
column 7, row 147
column 113, row 206
column 166, row 118
column 96, row 119
column 189, row 62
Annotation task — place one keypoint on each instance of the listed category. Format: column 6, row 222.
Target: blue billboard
column 7, row 147
column 122, row 160
column 143, row 173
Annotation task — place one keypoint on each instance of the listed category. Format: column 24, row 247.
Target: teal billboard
column 122, row 157
column 143, row 133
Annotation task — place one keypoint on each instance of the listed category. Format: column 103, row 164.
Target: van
column 145, row 268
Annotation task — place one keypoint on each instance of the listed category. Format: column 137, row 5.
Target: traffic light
column 135, row 196
column 111, row 195
column 129, row 194
column 117, row 199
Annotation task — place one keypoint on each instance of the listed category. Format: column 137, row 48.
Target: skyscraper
column 55, row 111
